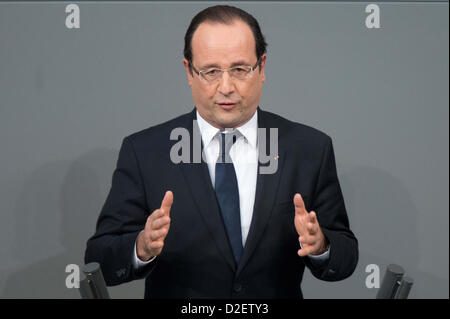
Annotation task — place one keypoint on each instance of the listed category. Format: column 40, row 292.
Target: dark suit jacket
column 197, row 260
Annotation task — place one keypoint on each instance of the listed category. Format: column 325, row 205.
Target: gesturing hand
column 310, row 234
column 151, row 240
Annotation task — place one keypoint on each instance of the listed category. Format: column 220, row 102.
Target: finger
column 159, row 234
column 157, row 244
column 312, row 228
column 166, row 203
column 299, row 205
column 313, row 217
column 150, row 219
column 307, row 240
column 160, row 222
column 304, row 251
column 157, row 213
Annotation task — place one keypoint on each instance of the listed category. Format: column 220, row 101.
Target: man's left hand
column 311, row 237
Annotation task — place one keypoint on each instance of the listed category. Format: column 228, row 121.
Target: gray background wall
column 68, row 97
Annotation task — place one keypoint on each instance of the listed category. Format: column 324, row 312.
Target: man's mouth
column 227, row 105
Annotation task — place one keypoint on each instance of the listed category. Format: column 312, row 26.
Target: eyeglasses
column 240, row 72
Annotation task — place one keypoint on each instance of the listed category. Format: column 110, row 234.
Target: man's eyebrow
column 214, row 65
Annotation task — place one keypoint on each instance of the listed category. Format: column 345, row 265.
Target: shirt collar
column 248, row 130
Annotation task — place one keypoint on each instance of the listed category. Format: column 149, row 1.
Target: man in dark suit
column 219, row 227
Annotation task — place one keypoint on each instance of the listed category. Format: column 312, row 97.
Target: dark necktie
column 227, row 193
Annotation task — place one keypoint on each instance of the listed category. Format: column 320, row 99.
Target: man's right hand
column 151, row 240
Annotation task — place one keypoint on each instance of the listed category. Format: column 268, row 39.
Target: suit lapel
column 266, row 190
column 197, row 178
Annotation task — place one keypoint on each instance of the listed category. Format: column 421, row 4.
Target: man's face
column 227, row 103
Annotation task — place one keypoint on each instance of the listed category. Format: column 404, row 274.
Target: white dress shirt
column 244, row 154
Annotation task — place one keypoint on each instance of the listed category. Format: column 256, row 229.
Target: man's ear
column 262, row 67
column 188, row 71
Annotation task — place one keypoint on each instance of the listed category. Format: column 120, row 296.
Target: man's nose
column 226, row 84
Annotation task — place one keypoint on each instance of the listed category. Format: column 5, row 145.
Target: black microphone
column 391, row 282
column 92, row 283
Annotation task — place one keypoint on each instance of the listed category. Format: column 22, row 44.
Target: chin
column 227, row 121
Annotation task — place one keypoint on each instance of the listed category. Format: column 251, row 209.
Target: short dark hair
column 226, row 15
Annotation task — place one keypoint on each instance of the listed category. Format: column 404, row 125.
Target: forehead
column 223, row 44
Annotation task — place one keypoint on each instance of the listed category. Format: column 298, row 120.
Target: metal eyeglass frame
column 224, row 70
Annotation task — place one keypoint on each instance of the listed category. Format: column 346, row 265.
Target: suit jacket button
column 331, row 272
column 237, row 287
